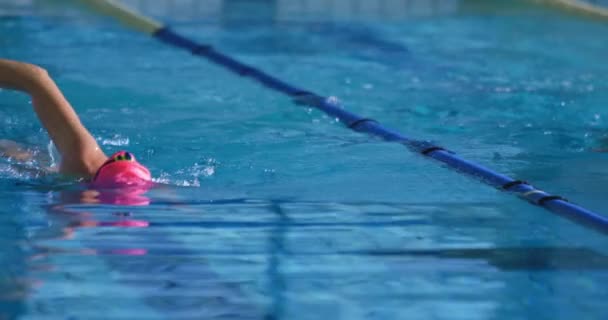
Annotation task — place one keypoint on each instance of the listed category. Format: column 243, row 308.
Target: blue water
column 269, row 210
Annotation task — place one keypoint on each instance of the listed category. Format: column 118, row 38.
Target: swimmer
column 81, row 155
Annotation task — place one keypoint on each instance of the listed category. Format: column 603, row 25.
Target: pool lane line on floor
column 553, row 203
column 579, row 6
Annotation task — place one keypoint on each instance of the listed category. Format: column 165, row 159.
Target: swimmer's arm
column 80, row 152
column 16, row 75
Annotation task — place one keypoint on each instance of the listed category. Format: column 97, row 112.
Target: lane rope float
column 331, row 107
column 579, row 6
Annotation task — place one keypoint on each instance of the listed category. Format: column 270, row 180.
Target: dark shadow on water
column 512, row 259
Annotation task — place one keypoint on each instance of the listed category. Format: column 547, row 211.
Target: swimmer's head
column 121, row 170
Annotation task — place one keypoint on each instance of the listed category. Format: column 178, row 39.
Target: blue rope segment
column 553, row 203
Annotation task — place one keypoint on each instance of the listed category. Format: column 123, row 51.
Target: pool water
column 270, row 210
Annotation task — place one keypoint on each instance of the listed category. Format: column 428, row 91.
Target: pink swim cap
column 122, row 171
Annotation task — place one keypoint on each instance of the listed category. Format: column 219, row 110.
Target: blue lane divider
column 555, row 204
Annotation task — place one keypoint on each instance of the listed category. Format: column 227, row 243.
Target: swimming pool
column 275, row 210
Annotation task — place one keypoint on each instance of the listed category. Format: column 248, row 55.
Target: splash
column 116, row 141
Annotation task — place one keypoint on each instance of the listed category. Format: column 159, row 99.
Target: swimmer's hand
column 11, row 149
